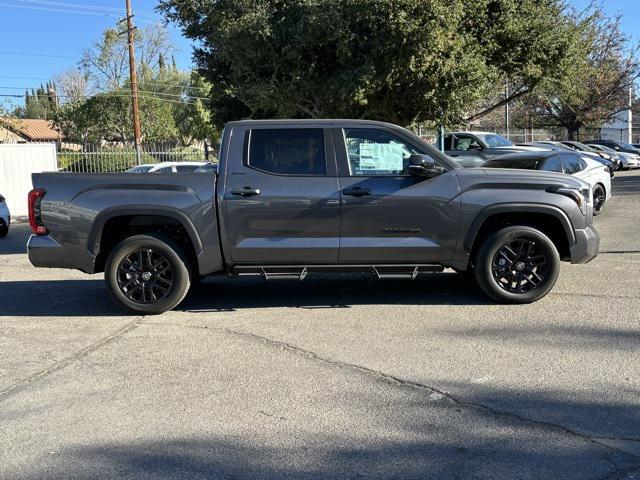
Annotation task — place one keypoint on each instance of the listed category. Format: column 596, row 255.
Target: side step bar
column 300, row 272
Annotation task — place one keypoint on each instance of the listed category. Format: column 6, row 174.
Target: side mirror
column 475, row 146
column 423, row 166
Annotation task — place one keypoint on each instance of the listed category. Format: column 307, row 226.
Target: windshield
column 495, row 140
column 604, row 149
column 627, row 145
column 584, row 148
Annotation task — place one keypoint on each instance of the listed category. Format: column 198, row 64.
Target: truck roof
column 314, row 121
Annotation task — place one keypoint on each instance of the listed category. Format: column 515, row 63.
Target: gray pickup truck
column 293, row 198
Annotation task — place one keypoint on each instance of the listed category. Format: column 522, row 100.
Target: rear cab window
column 295, row 151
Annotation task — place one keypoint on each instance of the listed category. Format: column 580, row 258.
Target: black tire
column 536, row 267
column 147, row 274
column 4, row 230
column 599, row 199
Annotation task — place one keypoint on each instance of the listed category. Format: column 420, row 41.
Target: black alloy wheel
column 145, row 276
column 148, row 274
column 519, row 265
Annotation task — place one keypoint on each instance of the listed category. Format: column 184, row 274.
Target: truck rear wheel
column 147, row 274
column 517, row 265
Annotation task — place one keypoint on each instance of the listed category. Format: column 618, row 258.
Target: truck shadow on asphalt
column 331, row 291
column 89, row 298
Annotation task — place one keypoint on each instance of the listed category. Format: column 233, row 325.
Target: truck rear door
column 281, row 200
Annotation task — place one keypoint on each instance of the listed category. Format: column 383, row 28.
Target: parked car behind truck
column 5, row 218
column 472, row 149
column 569, row 162
column 292, row 198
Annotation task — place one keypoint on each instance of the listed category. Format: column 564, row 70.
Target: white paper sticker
column 381, row 156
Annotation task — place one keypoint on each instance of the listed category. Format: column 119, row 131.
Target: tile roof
column 32, row 128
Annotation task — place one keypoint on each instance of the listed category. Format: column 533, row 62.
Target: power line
column 115, row 94
column 55, row 9
column 45, row 9
column 117, row 10
column 29, row 54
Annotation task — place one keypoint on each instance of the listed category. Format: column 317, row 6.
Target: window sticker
column 381, row 156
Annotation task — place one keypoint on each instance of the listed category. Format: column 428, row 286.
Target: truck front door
column 281, row 199
column 388, row 216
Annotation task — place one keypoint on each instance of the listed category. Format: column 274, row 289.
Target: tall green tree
column 399, row 60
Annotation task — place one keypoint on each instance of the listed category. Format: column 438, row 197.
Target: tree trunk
column 573, row 131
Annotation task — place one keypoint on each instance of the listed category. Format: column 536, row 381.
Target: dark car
column 472, row 149
column 617, row 146
column 296, row 198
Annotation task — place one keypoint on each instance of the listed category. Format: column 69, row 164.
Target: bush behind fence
column 89, row 158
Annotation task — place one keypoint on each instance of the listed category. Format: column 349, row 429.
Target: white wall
column 17, row 163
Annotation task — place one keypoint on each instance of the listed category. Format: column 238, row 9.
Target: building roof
column 32, row 129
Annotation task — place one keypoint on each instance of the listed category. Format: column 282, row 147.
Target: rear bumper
column 587, row 245
column 44, row 251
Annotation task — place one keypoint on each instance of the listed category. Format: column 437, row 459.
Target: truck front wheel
column 147, row 274
column 517, row 265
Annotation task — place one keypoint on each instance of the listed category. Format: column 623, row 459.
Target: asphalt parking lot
column 336, row 377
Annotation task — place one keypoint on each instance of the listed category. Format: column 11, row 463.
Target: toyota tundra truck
column 294, row 198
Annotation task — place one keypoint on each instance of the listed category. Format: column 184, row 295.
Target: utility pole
column 506, row 108
column 134, row 83
column 630, row 117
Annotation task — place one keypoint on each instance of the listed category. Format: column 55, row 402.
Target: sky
column 40, row 38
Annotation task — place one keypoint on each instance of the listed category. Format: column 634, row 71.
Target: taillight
column 35, row 213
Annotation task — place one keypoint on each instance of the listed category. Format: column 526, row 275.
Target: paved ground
column 341, row 377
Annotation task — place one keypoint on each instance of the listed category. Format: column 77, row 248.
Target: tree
column 403, row 61
column 599, row 71
column 40, row 103
column 71, row 85
column 107, row 116
column 106, row 62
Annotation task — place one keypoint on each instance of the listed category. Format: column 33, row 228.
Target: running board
column 300, row 272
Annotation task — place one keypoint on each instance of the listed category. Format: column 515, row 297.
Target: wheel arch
column 114, row 224
column 552, row 221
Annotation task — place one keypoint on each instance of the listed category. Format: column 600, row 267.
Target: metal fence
column 102, row 158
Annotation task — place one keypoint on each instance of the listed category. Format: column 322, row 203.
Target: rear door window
column 572, row 164
column 295, row 151
column 553, row 164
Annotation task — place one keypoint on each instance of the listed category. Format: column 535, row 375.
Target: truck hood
column 516, row 178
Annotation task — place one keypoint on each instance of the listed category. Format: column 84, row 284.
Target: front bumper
column 587, row 245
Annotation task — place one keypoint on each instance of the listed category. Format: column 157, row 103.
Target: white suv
column 5, row 217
